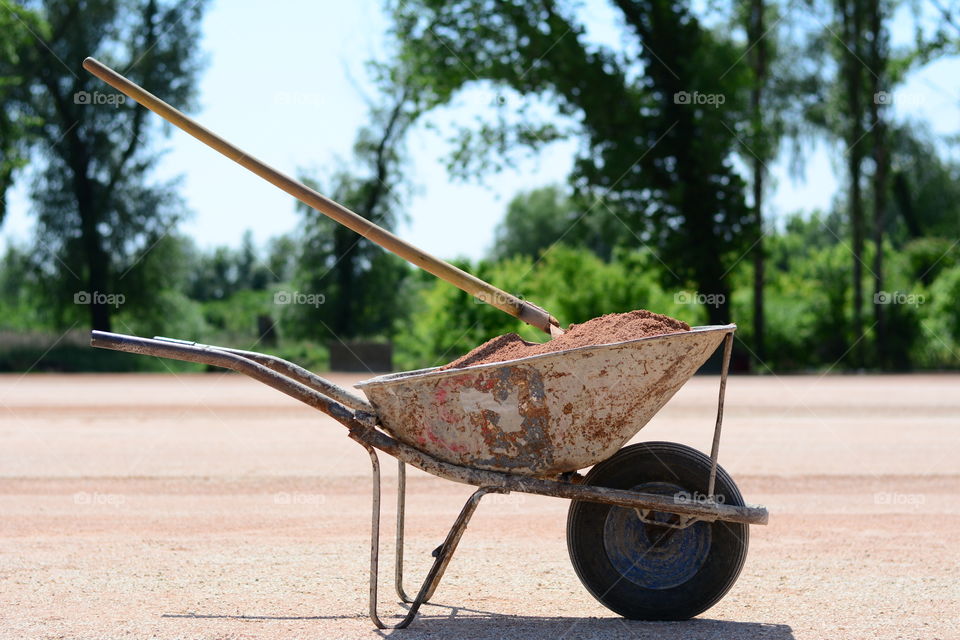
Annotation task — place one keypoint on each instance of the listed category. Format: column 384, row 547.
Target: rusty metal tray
column 543, row 414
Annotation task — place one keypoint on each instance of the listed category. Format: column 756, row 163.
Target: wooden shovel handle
column 525, row 311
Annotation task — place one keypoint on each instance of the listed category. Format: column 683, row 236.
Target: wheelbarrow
column 655, row 530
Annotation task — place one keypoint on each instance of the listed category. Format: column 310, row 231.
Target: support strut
column 443, row 558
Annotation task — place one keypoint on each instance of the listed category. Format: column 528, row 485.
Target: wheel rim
column 651, row 556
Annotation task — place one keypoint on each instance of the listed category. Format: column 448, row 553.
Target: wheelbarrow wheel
column 648, row 571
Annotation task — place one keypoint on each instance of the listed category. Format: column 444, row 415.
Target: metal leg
column 440, row 564
column 715, row 449
column 401, row 517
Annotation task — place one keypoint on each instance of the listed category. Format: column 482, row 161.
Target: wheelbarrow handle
column 284, row 368
column 525, row 311
column 315, row 392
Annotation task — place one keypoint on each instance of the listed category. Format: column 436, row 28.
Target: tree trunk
column 718, row 313
column 856, row 223
column 852, row 69
column 345, row 253
column 759, row 324
column 97, row 288
column 759, row 64
column 878, row 62
column 904, row 199
column 98, row 268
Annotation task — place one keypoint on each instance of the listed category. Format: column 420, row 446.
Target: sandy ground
column 210, row 506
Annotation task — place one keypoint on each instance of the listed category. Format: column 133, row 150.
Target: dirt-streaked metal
column 544, row 414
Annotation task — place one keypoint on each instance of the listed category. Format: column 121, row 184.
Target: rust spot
column 598, row 415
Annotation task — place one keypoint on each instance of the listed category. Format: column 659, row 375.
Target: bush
column 572, row 284
column 940, row 322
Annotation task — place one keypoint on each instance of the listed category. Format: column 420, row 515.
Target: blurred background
column 790, row 166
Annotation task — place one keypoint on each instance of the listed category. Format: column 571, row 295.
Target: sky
column 289, row 85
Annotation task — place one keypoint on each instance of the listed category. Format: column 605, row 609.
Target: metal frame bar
column 556, row 488
column 443, row 554
column 715, row 447
column 401, row 519
column 290, row 370
column 401, row 527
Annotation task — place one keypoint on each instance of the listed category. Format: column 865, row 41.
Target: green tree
column 761, row 152
column 940, row 40
column 880, row 155
column 852, row 113
column 851, row 51
column 360, row 282
column 281, row 259
column 658, row 159
column 19, row 287
column 879, row 50
column 17, row 28
column 925, row 187
column 573, row 283
column 98, row 214
column 220, row 273
column 535, row 220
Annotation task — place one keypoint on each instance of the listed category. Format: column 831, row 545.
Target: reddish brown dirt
column 613, row 327
column 212, row 507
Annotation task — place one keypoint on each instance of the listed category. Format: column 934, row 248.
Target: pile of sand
column 613, row 327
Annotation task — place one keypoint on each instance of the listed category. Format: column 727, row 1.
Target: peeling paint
column 541, row 415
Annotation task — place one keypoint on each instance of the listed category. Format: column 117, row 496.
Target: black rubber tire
column 706, row 558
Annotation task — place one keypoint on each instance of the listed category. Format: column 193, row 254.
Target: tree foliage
column 98, row 214
column 535, row 220
column 18, row 28
column 656, row 168
column 358, row 282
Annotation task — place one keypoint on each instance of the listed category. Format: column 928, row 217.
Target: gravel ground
column 209, row 506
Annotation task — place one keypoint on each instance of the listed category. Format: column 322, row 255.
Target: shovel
column 525, row 311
